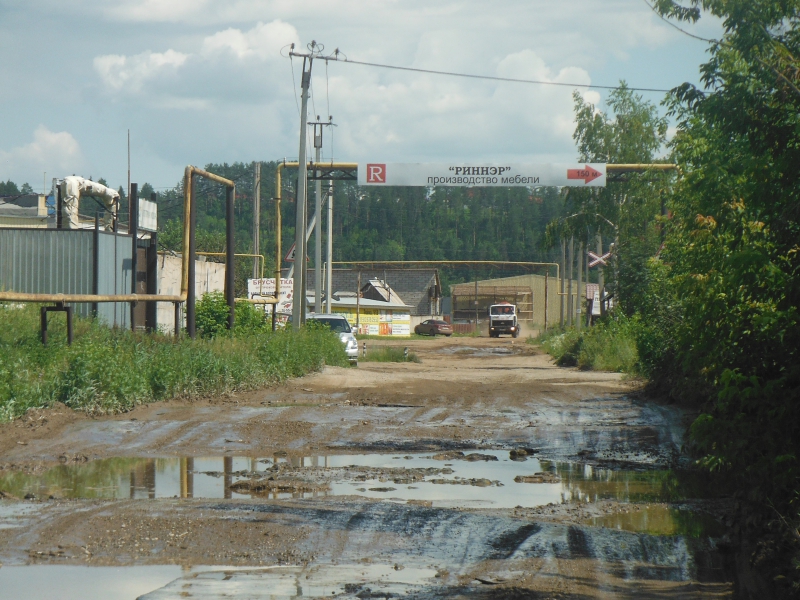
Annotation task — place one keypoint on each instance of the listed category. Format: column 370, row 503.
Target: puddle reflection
column 489, row 479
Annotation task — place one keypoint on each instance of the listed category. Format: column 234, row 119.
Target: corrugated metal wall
column 59, row 261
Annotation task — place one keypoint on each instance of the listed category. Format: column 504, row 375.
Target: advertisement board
column 262, row 288
column 483, row 175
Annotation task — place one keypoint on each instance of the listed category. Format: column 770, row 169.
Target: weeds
column 608, row 346
column 111, row 370
column 390, row 354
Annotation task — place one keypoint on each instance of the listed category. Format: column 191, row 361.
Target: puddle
column 661, row 520
column 171, row 581
column 475, row 352
column 54, row 582
column 477, row 479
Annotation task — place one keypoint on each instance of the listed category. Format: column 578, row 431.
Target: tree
column 732, row 265
column 626, row 211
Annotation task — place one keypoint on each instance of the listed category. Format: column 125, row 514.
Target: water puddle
column 171, row 581
column 477, row 479
column 475, row 352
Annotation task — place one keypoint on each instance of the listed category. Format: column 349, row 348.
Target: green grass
column 390, row 354
column 112, row 370
column 608, row 346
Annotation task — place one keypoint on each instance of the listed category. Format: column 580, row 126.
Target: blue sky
column 201, row 81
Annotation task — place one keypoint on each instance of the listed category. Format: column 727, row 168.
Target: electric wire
column 492, row 77
column 294, row 84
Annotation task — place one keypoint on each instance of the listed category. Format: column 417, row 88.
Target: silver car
column 340, row 325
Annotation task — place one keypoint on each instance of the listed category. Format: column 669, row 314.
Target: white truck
column 503, row 319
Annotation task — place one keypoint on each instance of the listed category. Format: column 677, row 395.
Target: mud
column 483, row 471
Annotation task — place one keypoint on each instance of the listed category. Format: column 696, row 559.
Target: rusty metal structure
column 187, row 293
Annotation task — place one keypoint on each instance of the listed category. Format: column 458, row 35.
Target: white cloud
column 157, row 10
column 131, row 72
column 58, row 153
column 263, row 41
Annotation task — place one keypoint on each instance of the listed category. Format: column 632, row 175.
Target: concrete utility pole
column 601, row 275
column 562, row 273
column 329, row 266
column 570, row 303
column 256, row 218
column 317, row 222
column 299, row 292
column 579, row 295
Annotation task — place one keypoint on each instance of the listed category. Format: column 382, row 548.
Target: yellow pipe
column 642, row 167
column 371, row 264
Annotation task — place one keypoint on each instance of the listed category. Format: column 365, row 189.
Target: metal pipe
column 230, row 295
column 133, row 229
column 191, row 328
column 329, row 266
column 95, row 262
column 642, row 167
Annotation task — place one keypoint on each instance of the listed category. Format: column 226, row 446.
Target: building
column 25, row 211
column 420, row 289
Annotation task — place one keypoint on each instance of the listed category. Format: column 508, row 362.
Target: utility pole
column 129, row 165
column 570, row 304
column 299, row 287
column 329, row 269
column 317, row 221
column 601, row 275
column 318, row 125
column 256, row 217
column 298, row 292
column 579, row 295
column 562, row 273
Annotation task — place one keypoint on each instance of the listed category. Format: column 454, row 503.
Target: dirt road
column 482, row 471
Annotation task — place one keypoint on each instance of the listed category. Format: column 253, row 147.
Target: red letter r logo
column 376, row 173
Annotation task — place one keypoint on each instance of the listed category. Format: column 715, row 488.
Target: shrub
column 390, row 354
column 112, row 370
column 608, row 346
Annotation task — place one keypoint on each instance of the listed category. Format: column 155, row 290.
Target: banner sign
column 262, row 288
column 483, row 175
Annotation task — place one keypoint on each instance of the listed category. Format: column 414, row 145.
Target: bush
column 390, row 354
column 608, row 346
column 111, row 370
column 211, row 316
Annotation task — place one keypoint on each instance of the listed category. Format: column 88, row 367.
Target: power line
column 489, row 77
column 683, row 31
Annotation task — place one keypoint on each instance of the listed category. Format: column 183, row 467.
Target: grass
column 608, row 346
column 390, row 354
column 112, row 370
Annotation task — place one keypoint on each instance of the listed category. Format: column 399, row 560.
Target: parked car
column 433, row 327
column 340, row 325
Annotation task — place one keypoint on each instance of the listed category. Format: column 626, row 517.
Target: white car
column 340, row 325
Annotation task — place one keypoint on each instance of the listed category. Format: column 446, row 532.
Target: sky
column 202, row 81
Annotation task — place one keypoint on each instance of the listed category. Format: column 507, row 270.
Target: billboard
column 261, row 288
column 483, row 175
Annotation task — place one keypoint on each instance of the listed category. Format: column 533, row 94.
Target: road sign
column 482, row 174
column 587, row 174
column 599, row 260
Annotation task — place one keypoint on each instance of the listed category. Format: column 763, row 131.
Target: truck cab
column 503, row 319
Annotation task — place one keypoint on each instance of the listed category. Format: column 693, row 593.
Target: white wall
column 209, row 277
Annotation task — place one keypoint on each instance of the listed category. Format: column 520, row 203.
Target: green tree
column 732, row 265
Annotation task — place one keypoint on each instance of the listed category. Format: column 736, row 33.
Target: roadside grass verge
column 610, row 345
column 390, row 354
column 111, row 370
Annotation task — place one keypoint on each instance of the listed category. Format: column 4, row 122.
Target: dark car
column 433, row 327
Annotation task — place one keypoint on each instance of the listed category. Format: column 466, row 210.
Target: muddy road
column 482, row 471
